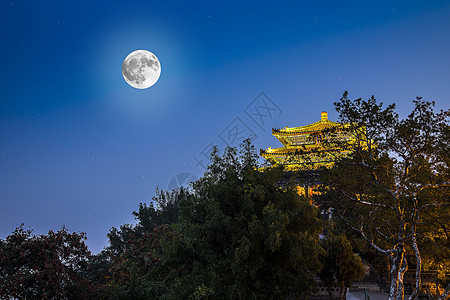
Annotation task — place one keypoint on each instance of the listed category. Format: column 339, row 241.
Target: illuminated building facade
column 309, row 148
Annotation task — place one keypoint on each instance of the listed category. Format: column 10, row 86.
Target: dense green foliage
column 132, row 262
column 341, row 266
column 239, row 235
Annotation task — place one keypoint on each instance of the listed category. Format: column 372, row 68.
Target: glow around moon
column 141, row 69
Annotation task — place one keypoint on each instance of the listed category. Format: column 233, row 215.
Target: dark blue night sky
column 80, row 147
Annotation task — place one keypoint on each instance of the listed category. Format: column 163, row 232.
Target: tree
column 134, row 254
column 394, row 187
column 136, row 272
column 340, row 265
column 52, row 266
column 236, row 233
column 242, row 235
column 163, row 209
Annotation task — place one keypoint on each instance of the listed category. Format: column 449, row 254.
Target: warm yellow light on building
column 309, row 147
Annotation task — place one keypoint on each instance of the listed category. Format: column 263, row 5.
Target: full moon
column 141, row 69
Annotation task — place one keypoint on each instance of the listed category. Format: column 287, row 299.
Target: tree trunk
column 341, row 292
column 395, row 269
column 345, row 292
column 401, row 273
column 418, row 266
column 446, row 294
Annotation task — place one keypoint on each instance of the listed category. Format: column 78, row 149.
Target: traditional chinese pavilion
column 309, row 147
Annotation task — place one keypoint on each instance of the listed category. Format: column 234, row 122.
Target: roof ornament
column 324, row 116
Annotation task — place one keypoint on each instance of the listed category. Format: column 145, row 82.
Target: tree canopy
column 394, row 188
column 238, row 235
column 52, row 266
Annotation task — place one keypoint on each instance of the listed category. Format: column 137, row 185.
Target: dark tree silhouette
column 52, row 266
